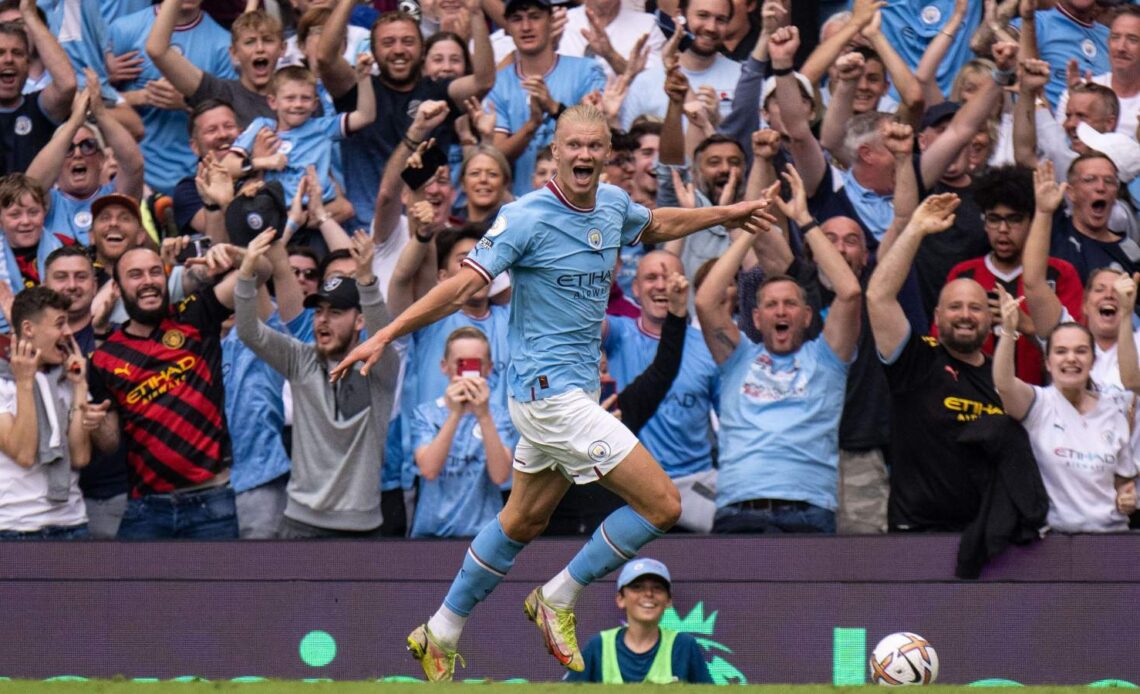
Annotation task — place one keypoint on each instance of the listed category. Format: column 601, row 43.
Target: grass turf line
column 294, row 687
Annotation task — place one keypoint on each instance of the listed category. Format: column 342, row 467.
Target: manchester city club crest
column 599, row 451
column 82, row 219
column 499, row 226
column 173, row 338
column 254, row 221
column 931, row 14
column 594, row 238
column 23, row 125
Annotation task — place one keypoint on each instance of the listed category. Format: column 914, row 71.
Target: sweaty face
column 962, row 316
column 257, row 52
column 716, row 164
column 1006, row 229
column 294, row 103
column 444, row 61
column 74, row 278
column 530, row 29
column 1070, row 357
column 484, row 183
column 142, row 283
column 707, row 20
column 1093, row 186
column 114, row 231
column 397, row 47
column 1100, row 307
column 782, row 317
column 50, row 334
column 82, row 165
column 651, row 284
column 1091, row 109
column 335, row 329
column 23, row 222
column 14, row 62
column 580, row 151
column 214, row 131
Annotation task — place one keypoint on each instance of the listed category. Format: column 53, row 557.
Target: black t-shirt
column 24, row 131
column 1088, row 254
column 939, row 253
column 365, row 153
column 936, row 483
column 187, row 202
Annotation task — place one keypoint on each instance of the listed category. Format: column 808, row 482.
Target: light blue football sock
column 489, row 558
column 615, row 542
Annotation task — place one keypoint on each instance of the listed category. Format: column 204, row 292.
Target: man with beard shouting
column 162, row 371
column 938, row 386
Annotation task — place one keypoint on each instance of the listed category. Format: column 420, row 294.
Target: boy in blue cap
column 642, row 651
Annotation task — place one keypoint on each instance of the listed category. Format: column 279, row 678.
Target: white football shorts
column 571, row 433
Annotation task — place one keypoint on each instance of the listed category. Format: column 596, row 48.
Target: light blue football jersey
column 910, row 26
column 71, row 216
column 426, row 381
column 561, row 259
column 1061, row 38
column 166, row 144
column 311, row 144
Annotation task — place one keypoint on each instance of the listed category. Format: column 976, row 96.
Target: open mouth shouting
column 582, row 174
column 9, row 79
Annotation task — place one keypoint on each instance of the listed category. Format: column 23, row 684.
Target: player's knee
column 521, row 526
column 667, row 510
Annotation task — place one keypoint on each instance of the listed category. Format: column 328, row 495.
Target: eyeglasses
column 86, row 147
column 309, row 273
column 1010, row 220
column 1089, row 179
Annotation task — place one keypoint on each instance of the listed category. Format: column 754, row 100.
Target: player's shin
column 489, row 558
column 615, row 542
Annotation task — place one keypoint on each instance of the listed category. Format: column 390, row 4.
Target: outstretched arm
column 1016, row 395
column 482, row 77
column 795, row 113
column 57, row 96
column 45, row 168
column 826, row 53
column 127, row 153
column 720, row 332
column 935, row 53
column 888, row 321
column 181, row 73
column 1043, row 305
column 670, row 223
column 335, row 72
column 1125, row 290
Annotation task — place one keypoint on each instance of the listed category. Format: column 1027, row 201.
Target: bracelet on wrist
column 781, row 71
column 948, row 34
column 422, row 238
column 291, row 225
column 412, row 144
column 211, row 207
column 323, row 218
column 1004, row 78
column 809, row 226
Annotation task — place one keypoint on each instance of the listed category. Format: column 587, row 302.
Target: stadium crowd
column 205, row 206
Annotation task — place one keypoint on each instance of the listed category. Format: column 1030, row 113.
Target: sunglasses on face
column 309, row 274
column 86, row 147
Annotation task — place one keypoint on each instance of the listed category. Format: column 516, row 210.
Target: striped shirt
column 168, row 390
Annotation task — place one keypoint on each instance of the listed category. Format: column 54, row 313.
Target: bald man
column 938, row 386
column 679, row 433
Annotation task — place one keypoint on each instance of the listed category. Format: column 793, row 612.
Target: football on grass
column 903, row 659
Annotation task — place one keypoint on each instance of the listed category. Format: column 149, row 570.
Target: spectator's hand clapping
column 873, row 28
column 783, row 45
column 79, row 106
column 362, row 250
column 686, row 192
column 595, row 35
column 1047, row 193
column 850, row 66
column 1073, row 74
column 161, row 93
column 1034, row 76
column 637, row 59
column 765, row 144
column 728, row 193
column 678, row 293
column 617, row 88
column 935, row 214
column 253, row 253
column 124, row 68
column 1005, row 55
column 213, row 182
column 558, row 21
column 540, row 94
column 482, row 121
column 863, row 12
column 898, row 138
column 94, row 91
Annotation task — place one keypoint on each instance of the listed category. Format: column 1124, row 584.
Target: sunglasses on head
column 86, row 147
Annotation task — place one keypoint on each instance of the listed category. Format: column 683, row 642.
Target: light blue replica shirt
column 679, row 433
column 910, row 26
column 463, row 498
column 561, row 259
column 71, row 216
column 166, row 144
column 426, row 381
column 255, row 413
column 310, row 144
column 568, row 81
column 80, row 26
column 647, row 92
column 779, row 424
column 1061, row 38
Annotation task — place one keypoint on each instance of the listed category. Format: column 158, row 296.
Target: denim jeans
column 788, row 519
column 210, row 514
column 49, row 532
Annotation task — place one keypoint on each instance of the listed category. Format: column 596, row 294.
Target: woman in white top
column 1080, row 436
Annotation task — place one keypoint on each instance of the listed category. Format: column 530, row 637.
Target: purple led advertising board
column 793, row 610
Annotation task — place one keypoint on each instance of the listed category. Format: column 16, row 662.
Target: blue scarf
column 874, row 210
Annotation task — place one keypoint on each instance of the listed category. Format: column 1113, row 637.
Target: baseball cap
column 643, row 566
column 126, row 201
column 513, row 5
column 338, row 292
column 769, row 87
column 1121, row 149
column 253, row 211
column 938, row 113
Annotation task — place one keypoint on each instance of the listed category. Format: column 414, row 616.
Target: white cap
column 770, row 86
column 1121, row 149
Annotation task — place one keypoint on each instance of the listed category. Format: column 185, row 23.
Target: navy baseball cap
column 938, row 113
column 338, row 292
column 643, row 566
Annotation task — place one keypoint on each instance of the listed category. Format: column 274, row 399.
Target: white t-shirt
column 23, row 491
column 647, row 93
column 359, row 41
column 627, row 27
column 388, row 253
column 1078, row 455
column 1129, row 108
column 1105, row 370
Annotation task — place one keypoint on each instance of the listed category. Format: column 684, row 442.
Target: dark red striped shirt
column 168, row 390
